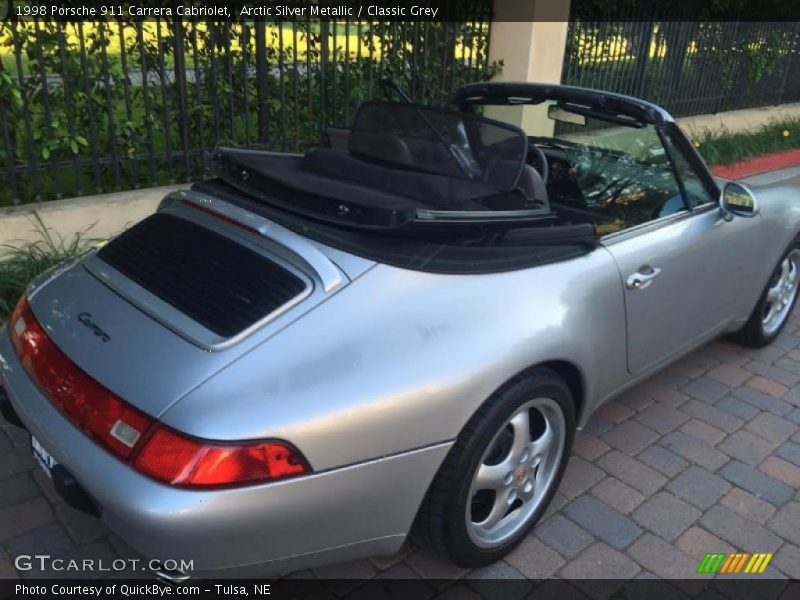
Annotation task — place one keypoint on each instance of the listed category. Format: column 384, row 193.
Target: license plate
column 43, row 457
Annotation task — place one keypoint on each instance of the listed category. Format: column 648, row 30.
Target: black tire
column 752, row 334
column 441, row 522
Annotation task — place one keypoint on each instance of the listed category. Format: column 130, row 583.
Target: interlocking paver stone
column 614, row 411
column 738, row 531
column 535, row 560
column 666, row 515
column 630, row 437
column 484, row 582
column 781, row 470
column 759, row 400
column 789, row 451
column 589, row 447
column 600, row 570
column 617, row 495
column 23, row 517
column 694, row 450
column 787, row 559
column 705, row 389
column 661, row 418
column 432, row 565
column 781, row 376
column 579, row 477
column 698, row 486
column 632, row 472
column 597, row 426
column 713, row 415
column 599, row 519
column 702, row 431
column 762, row 485
column 747, row 447
column 786, row 522
column 669, row 463
column 737, row 408
column 663, row 394
column 730, row 375
column 768, row 386
column 748, row 505
column 771, row 427
column 696, row 542
column 563, row 535
column 17, row 488
column 662, row 559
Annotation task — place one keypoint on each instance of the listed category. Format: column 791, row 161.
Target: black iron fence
column 96, row 107
column 688, row 67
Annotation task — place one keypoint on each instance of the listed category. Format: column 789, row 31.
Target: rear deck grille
column 222, row 285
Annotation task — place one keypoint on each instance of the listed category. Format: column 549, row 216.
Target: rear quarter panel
column 401, row 359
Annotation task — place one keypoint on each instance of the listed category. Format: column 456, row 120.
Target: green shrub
column 721, row 146
column 20, row 264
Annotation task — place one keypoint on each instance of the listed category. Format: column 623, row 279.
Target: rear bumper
column 343, row 513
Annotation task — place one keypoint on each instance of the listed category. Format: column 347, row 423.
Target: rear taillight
column 88, row 405
column 137, row 438
column 176, row 459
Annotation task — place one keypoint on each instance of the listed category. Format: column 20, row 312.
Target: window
column 696, row 191
column 624, row 176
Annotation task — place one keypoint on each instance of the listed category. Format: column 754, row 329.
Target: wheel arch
column 567, row 370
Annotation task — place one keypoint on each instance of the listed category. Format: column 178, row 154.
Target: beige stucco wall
column 531, row 50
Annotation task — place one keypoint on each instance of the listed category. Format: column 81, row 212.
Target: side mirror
column 737, row 200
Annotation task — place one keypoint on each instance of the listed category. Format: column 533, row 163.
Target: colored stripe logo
column 738, row 562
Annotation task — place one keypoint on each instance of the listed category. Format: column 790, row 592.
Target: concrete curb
column 758, row 164
column 100, row 216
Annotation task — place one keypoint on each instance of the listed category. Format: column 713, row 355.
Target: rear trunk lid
column 179, row 296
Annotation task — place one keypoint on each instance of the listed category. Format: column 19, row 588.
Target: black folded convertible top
column 455, row 250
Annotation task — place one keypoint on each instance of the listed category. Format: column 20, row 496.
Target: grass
column 20, row 264
column 722, row 146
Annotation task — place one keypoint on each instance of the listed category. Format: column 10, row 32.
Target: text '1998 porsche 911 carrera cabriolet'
column 309, row 358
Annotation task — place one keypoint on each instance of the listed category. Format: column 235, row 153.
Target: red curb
column 760, row 164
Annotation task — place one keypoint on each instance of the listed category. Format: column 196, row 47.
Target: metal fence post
column 262, row 83
column 180, row 83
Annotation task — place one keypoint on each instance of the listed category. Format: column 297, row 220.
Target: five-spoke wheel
column 502, row 471
column 516, row 470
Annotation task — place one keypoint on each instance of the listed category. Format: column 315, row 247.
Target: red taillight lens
column 164, row 454
column 88, row 405
column 178, row 460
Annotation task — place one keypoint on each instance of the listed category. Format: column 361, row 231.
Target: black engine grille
column 220, row 284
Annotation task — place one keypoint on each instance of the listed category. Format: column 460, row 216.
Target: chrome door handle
column 639, row 280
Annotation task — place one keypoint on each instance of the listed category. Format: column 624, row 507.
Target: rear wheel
column 775, row 306
column 502, row 471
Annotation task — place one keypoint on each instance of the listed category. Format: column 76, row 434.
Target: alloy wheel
column 516, row 473
column 781, row 293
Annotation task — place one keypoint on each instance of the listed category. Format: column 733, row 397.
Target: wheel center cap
column 521, row 474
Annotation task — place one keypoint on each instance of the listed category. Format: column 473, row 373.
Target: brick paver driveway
column 703, row 457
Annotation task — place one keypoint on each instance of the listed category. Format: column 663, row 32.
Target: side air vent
column 215, row 281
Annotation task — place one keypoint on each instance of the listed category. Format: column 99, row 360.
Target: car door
column 685, row 271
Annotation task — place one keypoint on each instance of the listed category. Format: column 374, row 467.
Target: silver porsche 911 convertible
column 309, row 357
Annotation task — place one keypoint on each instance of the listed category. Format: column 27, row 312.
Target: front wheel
column 502, row 471
column 775, row 306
